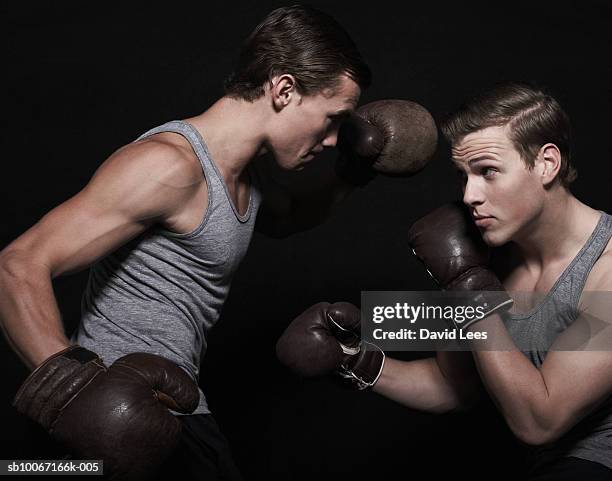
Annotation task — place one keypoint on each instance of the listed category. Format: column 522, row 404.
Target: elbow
column 14, row 266
column 468, row 395
column 442, row 408
column 456, row 404
column 542, row 424
column 9, row 265
column 448, row 409
column 537, row 435
column 462, row 405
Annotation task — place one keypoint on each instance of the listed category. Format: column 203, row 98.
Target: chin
column 494, row 239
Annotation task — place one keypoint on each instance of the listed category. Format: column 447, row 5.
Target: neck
column 560, row 229
column 234, row 133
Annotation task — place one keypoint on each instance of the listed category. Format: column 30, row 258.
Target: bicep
column 577, row 383
column 122, row 199
column 577, row 368
column 76, row 233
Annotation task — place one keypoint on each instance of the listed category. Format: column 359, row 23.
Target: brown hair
column 534, row 118
column 301, row 41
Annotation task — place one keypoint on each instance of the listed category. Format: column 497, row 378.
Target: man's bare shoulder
column 157, row 158
column 148, row 179
column 600, row 277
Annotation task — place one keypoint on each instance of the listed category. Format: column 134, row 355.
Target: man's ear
column 549, row 163
column 283, row 90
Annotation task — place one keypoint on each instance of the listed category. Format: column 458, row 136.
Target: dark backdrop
column 79, row 81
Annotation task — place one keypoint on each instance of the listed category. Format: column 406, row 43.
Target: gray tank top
column 591, row 438
column 162, row 292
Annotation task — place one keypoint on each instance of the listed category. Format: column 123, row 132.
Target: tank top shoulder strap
column 575, row 277
column 191, row 134
column 211, row 172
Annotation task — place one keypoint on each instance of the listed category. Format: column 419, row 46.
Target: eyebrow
column 480, row 158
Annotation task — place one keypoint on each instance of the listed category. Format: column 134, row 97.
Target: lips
column 483, row 220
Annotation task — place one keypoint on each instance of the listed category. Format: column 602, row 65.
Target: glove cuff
column 482, row 289
column 53, row 384
column 493, row 302
column 364, row 368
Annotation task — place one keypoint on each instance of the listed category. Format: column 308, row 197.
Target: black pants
column 202, row 454
column 571, row 469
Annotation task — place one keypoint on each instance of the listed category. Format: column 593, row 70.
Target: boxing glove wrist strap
column 364, row 368
column 53, row 384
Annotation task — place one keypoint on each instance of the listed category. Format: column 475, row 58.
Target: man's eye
column 488, row 172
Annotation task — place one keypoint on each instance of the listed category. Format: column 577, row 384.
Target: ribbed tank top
column 162, row 292
column 591, row 438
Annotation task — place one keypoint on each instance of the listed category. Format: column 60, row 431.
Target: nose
column 330, row 139
column 472, row 193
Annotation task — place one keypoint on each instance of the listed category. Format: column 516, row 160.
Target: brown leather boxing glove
column 393, row 137
column 450, row 246
column 118, row 414
column 326, row 338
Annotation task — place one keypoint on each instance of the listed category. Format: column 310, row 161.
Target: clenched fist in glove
column 326, row 338
column 118, row 414
column 450, row 246
column 393, row 137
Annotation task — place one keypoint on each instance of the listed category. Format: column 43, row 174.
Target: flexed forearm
column 516, row 386
column 418, row 384
column 29, row 314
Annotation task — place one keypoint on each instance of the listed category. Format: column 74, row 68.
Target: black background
column 81, row 80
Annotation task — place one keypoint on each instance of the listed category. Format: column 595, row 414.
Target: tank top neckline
column 241, row 217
